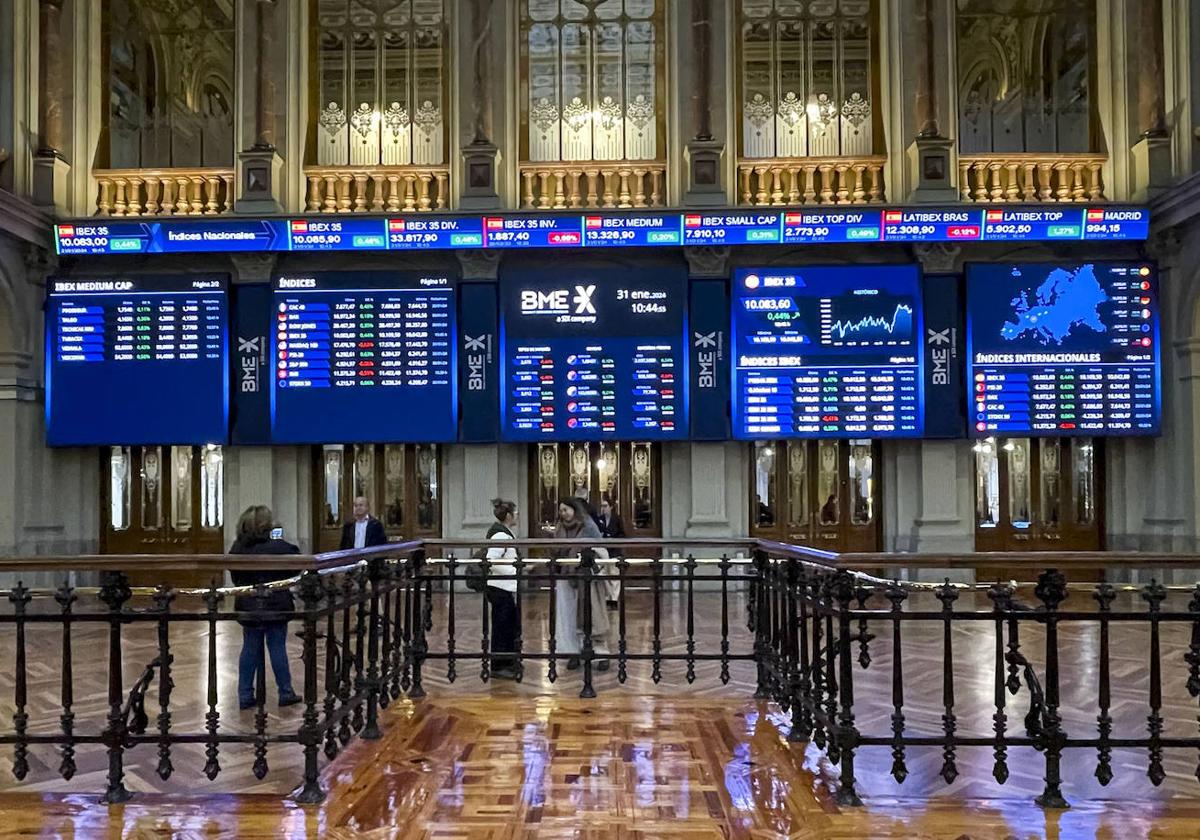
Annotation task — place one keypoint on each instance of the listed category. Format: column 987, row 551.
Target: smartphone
column 276, row 533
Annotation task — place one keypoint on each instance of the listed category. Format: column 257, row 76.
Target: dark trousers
column 252, row 660
column 505, row 622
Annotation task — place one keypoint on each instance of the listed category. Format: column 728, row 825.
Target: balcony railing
column 812, row 180
column 377, row 189
column 1031, row 177
column 618, row 184
column 163, row 192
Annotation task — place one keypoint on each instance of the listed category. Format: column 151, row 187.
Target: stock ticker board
column 602, row 229
column 593, row 355
column 828, row 351
column 1069, row 349
column 137, row 360
column 363, row 357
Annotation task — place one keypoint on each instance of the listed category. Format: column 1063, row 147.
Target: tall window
column 806, row 84
column 170, row 83
column 592, row 79
column 1024, row 75
column 382, row 81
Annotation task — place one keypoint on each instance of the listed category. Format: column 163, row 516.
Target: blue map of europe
column 1068, row 298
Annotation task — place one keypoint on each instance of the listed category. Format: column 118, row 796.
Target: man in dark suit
column 364, row 530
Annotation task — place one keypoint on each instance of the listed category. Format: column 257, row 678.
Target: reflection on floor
column 646, row 761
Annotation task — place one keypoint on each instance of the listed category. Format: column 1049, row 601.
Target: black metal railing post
column 212, row 718
column 114, row 593
column 1104, row 596
column 375, row 574
column 419, row 645
column 847, row 731
column 897, row 595
column 948, row 594
column 761, row 619
column 1001, row 595
column 1154, row 595
column 1051, row 590
column 162, row 603
column 587, row 569
column 311, row 592
column 19, row 597
column 65, row 596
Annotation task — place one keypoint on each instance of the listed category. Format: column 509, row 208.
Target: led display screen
column 827, row 351
column 363, row 357
column 590, row 355
column 137, row 360
column 1063, row 349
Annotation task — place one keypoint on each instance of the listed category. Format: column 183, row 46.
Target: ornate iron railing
column 809, row 624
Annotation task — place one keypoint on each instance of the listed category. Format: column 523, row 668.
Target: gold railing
column 812, row 180
column 1031, row 177
column 163, row 192
column 633, row 183
column 355, row 189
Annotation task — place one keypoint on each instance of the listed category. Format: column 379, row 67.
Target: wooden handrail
column 851, row 560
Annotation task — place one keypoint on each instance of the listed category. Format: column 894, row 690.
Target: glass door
column 819, row 493
column 401, row 483
column 625, row 474
column 162, row 499
column 1038, row 494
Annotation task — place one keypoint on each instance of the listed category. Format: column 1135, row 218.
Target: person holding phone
column 257, row 533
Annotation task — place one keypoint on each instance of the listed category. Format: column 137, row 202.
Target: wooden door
column 818, row 493
column 401, row 482
column 627, row 474
column 162, row 500
column 1038, row 494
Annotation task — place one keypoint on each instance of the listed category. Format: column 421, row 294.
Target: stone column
column 927, row 102
column 50, row 164
column 703, row 151
column 264, row 94
column 1152, row 153
column 481, row 156
column 931, row 154
column 261, row 165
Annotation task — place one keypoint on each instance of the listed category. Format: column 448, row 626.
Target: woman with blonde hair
column 257, row 534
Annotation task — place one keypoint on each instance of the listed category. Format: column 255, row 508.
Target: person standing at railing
column 612, row 527
column 364, row 530
column 576, row 523
column 257, row 534
column 502, row 594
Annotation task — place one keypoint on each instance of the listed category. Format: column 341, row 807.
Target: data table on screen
column 594, row 355
column 137, row 360
column 1067, row 349
column 827, row 351
column 363, row 357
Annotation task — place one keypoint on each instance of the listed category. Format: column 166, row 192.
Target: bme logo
column 941, row 350
column 558, row 301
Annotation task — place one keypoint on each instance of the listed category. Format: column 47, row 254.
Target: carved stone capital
column 707, row 260
column 938, row 257
column 479, row 265
column 253, row 268
column 40, row 263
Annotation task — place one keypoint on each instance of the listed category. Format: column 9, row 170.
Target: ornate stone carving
column 543, row 115
column 361, row 120
column 479, row 265
column 758, row 112
column 608, row 114
column 938, row 257
column 395, row 118
column 576, row 114
column 856, row 110
column 707, row 260
column 640, row 112
column 428, row 115
column 332, row 119
column 790, row 109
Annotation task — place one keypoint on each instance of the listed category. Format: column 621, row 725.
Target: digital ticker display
column 603, row 229
column 1068, row 349
column 588, row 355
column 827, row 351
column 363, row 357
column 137, row 360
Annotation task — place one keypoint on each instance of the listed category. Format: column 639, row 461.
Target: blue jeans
column 252, row 662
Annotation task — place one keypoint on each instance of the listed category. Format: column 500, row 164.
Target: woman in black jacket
column 254, row 537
